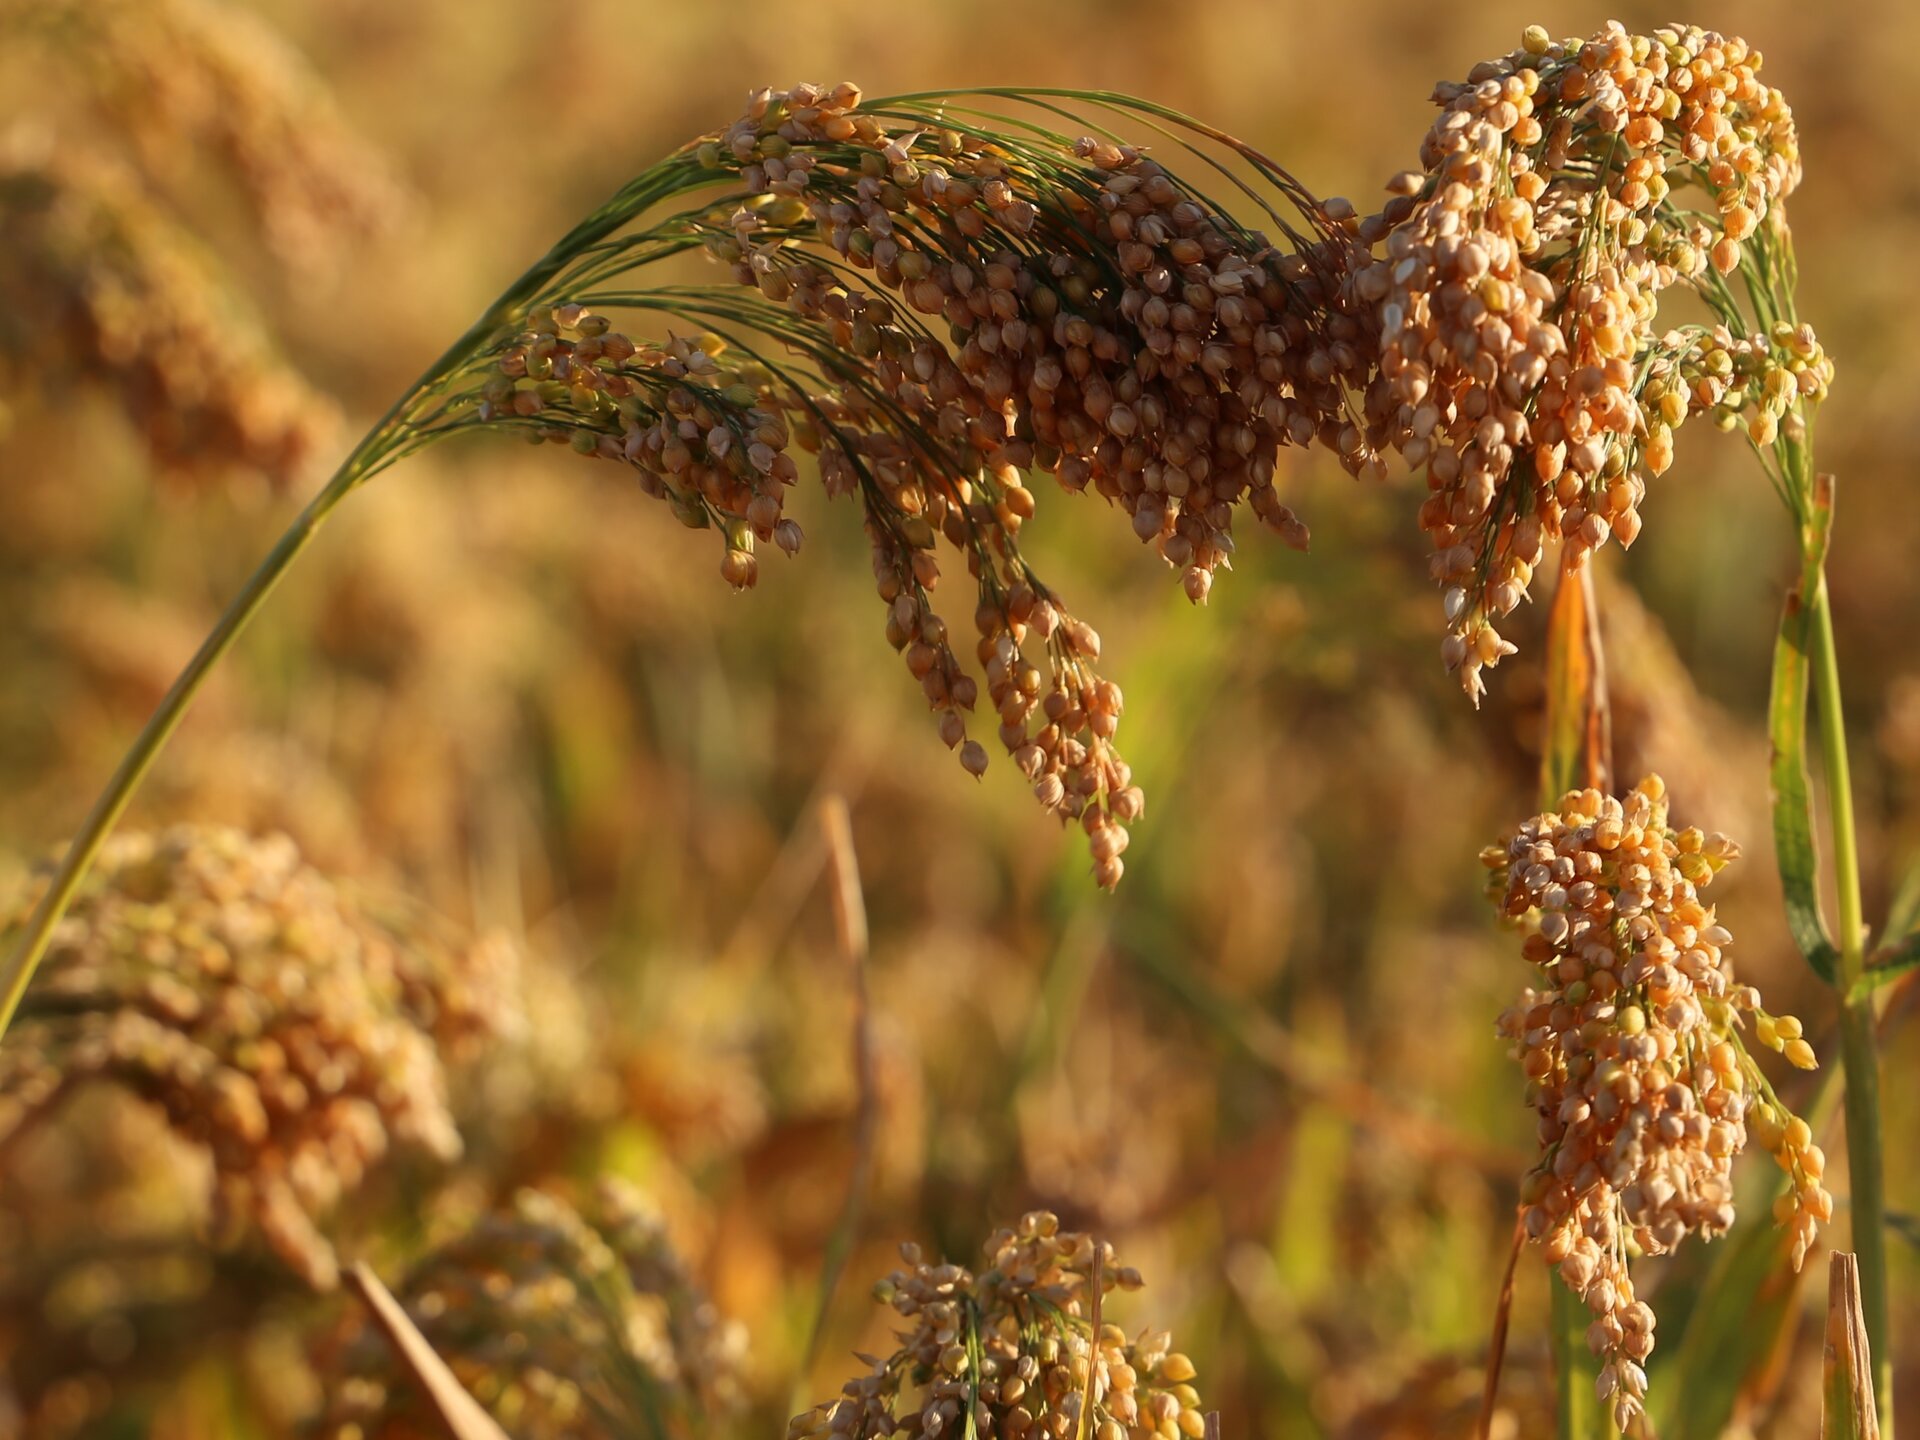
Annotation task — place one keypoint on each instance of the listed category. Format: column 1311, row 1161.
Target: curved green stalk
column 1805, row 659
column 1840, row 961
column 387, row 441
column 594, row 252
column 113, row 801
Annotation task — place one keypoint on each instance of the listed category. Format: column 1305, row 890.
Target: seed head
column 959, row 310
column 1636, row 1062
column 273, row 1022
column 1520, row 363
column 1014, row 1343
column 101, row 288
column 566, row 1323
column 194, row 80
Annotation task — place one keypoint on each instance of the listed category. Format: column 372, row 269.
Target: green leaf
column 1888, row 964
column 1793, row 844
column 1846, row 1392
column 1740, row 1321
column 1579, row 729
column 1903, row 915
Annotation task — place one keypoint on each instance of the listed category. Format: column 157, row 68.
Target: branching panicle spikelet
column 1635, row 1056
column 271, row 1020
column 1014, row 1345
column 1103, row 324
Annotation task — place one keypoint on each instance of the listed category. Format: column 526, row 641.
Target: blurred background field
column 511, row 687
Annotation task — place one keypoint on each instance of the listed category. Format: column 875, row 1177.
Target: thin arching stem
column 381, row 445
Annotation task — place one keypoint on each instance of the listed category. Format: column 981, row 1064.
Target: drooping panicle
column 1518, row 298
column 1634, row 1046
column 939, row 303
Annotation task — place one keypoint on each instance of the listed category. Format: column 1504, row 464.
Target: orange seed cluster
column 1632, row 1045
column 1519, row 290
column 272, row 1021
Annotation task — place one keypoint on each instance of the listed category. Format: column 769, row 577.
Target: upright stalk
column 1579, row 1411
column 1865, row 1157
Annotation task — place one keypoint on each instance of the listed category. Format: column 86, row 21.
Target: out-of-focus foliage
column 1265, row 1069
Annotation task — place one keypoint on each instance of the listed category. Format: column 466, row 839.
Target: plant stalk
column 1580, row 1413
column 1858, row 1055
column 26, row 955
column 373, row 452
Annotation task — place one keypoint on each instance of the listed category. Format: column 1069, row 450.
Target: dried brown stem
column 850, row 923
column 458, row 1410
column 1497, row 1341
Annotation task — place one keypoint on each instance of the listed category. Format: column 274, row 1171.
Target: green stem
column 1865, row 1160
column 375, row 450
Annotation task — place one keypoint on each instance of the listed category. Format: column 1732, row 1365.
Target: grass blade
column 1793, row 843
column 1734, row 1335
column 458, row 1410
column 1903, row 915
column 1892, row 962
column 1846, row 1392
column 850, row 926
column 1497, row 1341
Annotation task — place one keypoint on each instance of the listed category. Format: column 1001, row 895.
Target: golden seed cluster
column 1635, row 1059
column 193, row 80
column 1074, row 311
column 567, row 1324
column 277, row 1024
column 1750, row 383
column 1102, row 322
column 99, row 288
column 939, row 311
column 1519, row 289
column 711, row 441
column 1010, row 1353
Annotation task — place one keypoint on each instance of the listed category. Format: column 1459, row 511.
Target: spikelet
column 99, row 288
column 567, row 1324
column 1520, row 362
column 274, row 1021
column 1635, row 1057
column 1013, row 1342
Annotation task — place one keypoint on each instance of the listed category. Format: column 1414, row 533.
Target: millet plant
column 940, row 298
